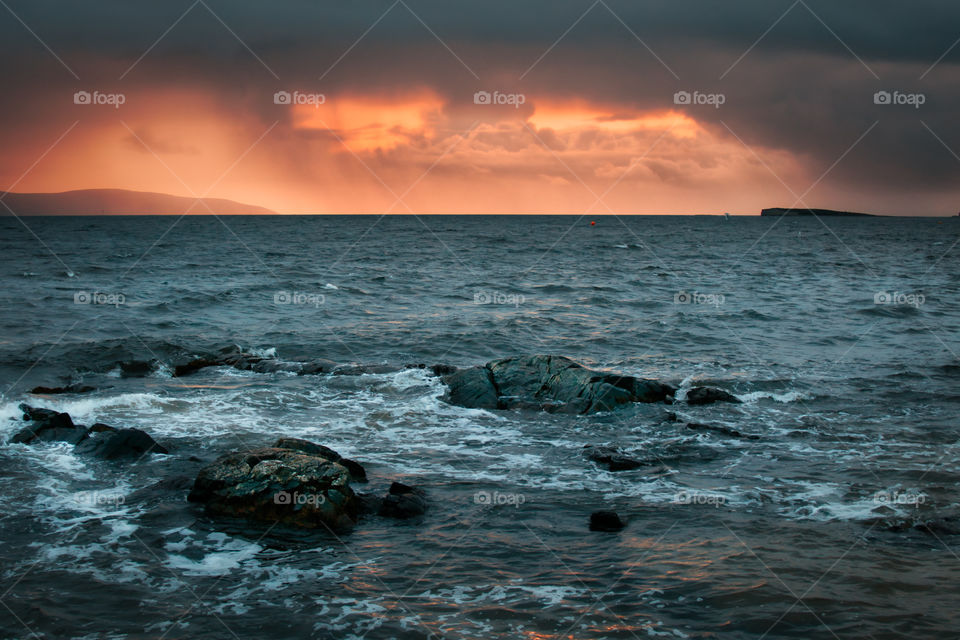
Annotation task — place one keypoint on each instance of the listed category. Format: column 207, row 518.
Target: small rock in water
column 610, row 457
column 403, row 501
column 71, row 388
column 606, row 521
column 119, row 443
column 709, row 395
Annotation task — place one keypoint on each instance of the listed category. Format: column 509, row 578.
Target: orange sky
column 414, row 152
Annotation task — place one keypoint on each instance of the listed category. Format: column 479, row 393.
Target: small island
column 812, row 212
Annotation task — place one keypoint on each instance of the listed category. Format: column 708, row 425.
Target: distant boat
column 727, row 215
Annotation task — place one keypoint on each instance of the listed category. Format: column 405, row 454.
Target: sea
column 824, row 505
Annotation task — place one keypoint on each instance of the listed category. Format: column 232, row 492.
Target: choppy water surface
column 841, row 520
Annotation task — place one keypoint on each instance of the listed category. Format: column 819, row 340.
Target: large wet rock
column 48, row 425
column 292, row 486
column 549, row 383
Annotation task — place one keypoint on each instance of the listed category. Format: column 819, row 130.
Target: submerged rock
column 403, row 501
column 726, row 431
column 548, row 383
column 112, row 444
column 610, row 457
column 606, row 521
column 70, row 388
column 709, row 395
column 295, row 486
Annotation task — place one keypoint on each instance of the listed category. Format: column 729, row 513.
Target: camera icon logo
column 82, row 297
column 882, row 97
column 82, row 97
column 282, row 97
column 482, row 97
column 882, row 297
column 482, row 297
column 682, row 297
column 682, row 97
column 282, row 497
column 282, row 297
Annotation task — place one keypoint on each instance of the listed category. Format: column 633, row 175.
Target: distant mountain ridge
column 812, row 212
column 118, row 202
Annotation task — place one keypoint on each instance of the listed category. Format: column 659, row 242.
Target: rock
column 314, row 367
column 233, row 357
column 70, row 388
column 606, row 521
column 135, row 368
column 438, row 370
column 403, row 501
column 48, row 426
column 99, row 427
column 193, row 366
column 610, row 457
column 727, row 431
column 709, row 395
column 357, row 472
column 364, row 369
column 549, row 383
column 291, row 486
column 112, row 444
column 472, row 388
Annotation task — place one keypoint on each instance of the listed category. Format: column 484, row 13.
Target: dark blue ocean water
column 839, row 335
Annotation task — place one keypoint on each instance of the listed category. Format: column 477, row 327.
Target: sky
column 433, row 106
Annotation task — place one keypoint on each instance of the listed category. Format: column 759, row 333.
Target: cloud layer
column 593, row 115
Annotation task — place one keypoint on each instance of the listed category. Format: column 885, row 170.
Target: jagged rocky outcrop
column 300, row 484
column 238, row 359
column 548, row 383
column 47, row 425
column 100, row 440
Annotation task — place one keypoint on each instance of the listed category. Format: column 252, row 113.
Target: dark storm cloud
column 802, row 88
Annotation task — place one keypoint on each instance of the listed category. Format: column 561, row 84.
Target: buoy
column 593, row 223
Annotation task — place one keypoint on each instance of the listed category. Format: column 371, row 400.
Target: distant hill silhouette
column 811, row 212
column 118, row 202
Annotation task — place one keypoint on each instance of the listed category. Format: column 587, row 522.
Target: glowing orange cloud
column 367, row 123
